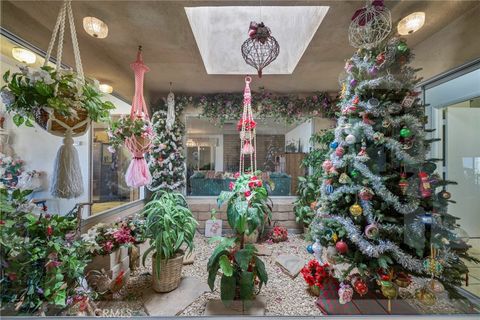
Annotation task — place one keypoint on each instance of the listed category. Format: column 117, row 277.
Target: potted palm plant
column 169, row 225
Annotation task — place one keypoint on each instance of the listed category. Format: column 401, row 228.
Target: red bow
column 378, row 4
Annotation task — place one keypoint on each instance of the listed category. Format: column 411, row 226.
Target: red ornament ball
column 341, row 247
column 360, row 286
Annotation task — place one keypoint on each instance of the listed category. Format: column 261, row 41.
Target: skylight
column 220, row 32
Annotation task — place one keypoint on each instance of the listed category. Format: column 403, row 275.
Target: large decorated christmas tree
column 382, row 215
column 167, row 159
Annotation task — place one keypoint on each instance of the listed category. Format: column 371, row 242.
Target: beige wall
column 452, row 46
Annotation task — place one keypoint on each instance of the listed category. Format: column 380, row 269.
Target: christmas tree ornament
column 366, row 119
column 432, row 265
column 380, row 59
column 261, row 48
column 435, row 286
column 327, row 164
column 350, row 139
column 345, row 293
column 353, row 82
column 386, row 123
column 407, row 144
column 370, row 25
column 349, row 65
column 365, row 194
column 444, row 194
column 405, row 132
column 310, row 249
column 408, row 101
column 403, row 183
column 341, row 247
column 372, row 103
column 344, row 178
column 425, row 188
column 317, row 251
column 403, row 280
column 371, row 231
column 329, row 189
column 425, row 296
column 334, row 144
column 354, row 173
column 372, row 71
column 402, row 47
column 330, row 254
column 363, row 150
column 389, row 291
column 334, row 237
column 378, row 136
column 360, row 286
column 355, row 100
column 355, row 210
column 339, row 151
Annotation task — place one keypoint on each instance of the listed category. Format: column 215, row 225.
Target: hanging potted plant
column 136, row 130
column 247, row 211
column 169, row 225
column 60, row 101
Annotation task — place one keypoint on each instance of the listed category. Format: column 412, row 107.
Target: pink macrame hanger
column 139, row 108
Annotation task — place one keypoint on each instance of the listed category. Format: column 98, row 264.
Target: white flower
column 111, row 149
column 45, row 76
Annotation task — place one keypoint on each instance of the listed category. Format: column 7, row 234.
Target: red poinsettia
column 315, row 273
column 250, row 124
column 278, row 234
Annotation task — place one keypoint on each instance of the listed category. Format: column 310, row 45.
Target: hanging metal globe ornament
column 370, row 25
column 260, row 49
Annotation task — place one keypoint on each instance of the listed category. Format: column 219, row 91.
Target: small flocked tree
column 167, row 159
column 382, row 214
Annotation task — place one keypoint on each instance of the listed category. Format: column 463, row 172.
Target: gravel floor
column 283, row 295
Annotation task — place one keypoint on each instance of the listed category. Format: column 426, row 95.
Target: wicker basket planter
column 42, row 118
column 170, row 273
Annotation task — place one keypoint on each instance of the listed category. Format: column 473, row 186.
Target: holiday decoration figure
column 376, row 192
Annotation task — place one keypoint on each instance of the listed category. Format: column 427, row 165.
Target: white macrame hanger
column 170, row 109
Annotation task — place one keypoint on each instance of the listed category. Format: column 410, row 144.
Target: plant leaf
column 226, row 266
column 227, row 289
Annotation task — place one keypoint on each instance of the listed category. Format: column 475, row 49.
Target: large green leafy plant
column 248, row 209
column 27, row 91
column 169, row 225
column 42, row 261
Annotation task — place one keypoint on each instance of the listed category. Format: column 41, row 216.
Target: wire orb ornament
column 370, row 25
column 261, row 48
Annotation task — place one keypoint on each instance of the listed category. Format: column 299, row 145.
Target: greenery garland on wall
column 221, row 107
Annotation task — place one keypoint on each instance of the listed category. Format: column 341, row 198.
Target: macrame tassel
column 67, row 175
column 170, row 111
column 138, row 174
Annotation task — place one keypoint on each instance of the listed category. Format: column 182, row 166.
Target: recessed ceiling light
column 24, row 55
column 105, row 88
column 411, row 23
column 95, row 27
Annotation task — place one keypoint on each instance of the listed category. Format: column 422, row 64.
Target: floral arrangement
column 43, row 261
column 126, row 127
column 228, row 106
column 278, row 234
column 250, row 124
column 10, row 171
column 27, row 91
column 103, row 239
column 315, row 274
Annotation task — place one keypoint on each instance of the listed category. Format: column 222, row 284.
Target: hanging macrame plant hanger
column 67, row 176
column 248, row 147
column 138, row 174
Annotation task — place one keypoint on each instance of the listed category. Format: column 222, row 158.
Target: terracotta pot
column 170, row 273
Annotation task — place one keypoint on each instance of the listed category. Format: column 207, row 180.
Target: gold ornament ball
column 356, row 210
column 425, row 296
column 388, row 290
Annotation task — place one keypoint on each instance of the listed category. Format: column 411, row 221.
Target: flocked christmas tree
column 167, row 160
column 382, row 214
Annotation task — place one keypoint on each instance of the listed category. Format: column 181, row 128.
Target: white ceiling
column 220, row 32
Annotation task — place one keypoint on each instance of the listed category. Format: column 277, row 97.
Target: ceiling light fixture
column 105, row 88
column 95, row 27
column 411, row 23
column 24, row 55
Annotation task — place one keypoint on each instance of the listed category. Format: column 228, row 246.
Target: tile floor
column 474, row 274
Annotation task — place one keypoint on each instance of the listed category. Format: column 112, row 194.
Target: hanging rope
column 170, row 109
column 67, row 176
column 138, row 174
column 248, row 145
